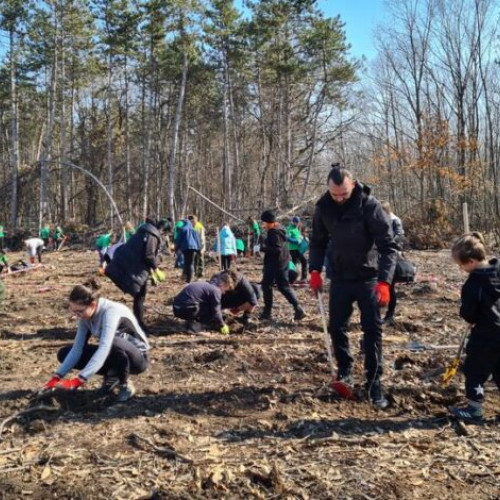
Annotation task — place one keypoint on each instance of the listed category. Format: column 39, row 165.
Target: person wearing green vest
column 45, row 234
column 179, row 256
column 129, row 230
column 2, row 237
column 58, row 237
column 102, row 243
column 294, row 238
column 240, row 246
column 254, row 233
column 4, row 265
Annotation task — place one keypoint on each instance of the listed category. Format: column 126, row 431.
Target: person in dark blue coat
column 188, row 242
column 135, row 262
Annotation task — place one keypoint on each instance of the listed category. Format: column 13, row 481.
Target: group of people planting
column 353, row 236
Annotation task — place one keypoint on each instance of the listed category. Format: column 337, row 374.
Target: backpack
column 405, row 270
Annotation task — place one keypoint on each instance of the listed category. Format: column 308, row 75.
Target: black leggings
column 139, row 299
column 299, row 257
column 124, row 358
column 226, row 262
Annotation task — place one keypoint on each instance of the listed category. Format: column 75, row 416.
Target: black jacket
column 131, row 264
column 275, row 248
column 351, row 234
column 481, row 303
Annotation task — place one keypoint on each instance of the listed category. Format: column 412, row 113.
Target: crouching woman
column 121, row 350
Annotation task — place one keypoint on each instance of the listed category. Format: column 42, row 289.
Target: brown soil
column 246, row 416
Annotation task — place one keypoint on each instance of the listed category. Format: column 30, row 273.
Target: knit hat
column 268, row 216
column 295, row 219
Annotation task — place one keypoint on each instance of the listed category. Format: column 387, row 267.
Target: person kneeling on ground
column 242, row 298
column 199, row 303
column 121, row 350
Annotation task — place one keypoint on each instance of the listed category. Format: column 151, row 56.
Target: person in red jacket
column 352, row 230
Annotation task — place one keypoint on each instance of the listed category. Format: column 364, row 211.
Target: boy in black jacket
column 276, row 258
column 481, row 309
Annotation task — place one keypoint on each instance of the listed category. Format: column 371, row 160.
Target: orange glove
column 71, row 383
column 316, row 281
column 383, row 293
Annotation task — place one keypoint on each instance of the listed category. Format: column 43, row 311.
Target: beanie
column 268, row 216
column 295, row 219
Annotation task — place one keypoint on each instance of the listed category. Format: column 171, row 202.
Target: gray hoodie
column 110, row 319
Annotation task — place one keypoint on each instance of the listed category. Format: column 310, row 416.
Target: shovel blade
column 344, row 390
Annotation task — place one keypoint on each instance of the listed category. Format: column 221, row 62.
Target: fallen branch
column 24, row 412
column 167, row 452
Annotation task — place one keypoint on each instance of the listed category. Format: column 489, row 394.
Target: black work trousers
column 391, row 307
column 343, row 294
column 482, row 361
column 225, row 262
column 299, row 257
column 280, row 277
column 124, row 358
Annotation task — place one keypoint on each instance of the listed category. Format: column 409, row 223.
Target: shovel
column 452, row 368
column 342, row 389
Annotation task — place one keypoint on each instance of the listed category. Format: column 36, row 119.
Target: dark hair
column 86, row 293
column 338, row 174
column 468, row 247
column 151, row 219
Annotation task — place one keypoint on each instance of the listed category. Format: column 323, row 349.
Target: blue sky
column 360, row 18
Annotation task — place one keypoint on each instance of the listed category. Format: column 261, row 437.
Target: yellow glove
column 154, row 279
column 160, row 275
column 225, row 330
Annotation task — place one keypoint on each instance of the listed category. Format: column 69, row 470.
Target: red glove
column 51, row 384
column 316, row 281
column 71, row 383
column 383, row 294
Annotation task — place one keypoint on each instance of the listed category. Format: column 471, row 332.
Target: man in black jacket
column 276, row 258
column 134, row 262
column 350, row 228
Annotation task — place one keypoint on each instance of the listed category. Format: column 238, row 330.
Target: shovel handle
column 328, row 340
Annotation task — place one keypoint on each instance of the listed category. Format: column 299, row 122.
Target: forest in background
column 248, row 107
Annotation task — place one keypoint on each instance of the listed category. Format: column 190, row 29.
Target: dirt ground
column 245, row 416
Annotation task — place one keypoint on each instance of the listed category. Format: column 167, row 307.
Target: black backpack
column 405, row 270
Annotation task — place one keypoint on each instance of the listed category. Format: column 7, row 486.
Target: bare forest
column 248, row 107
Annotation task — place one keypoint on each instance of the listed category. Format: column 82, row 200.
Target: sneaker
column 388, row 320
column 377, row 397
column 109, row 382
column 265, row 315
column 193, row 327
column 468, row 414
column 299, row 314
column 126, row 391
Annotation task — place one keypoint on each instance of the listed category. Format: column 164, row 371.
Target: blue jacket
column 187, row 237
column 227, row 242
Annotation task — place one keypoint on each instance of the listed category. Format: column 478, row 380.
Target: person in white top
column 34, row 247
column 121, row 350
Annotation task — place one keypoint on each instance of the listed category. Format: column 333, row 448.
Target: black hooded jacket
column 275, row 248
column 129, row 269
column 481, row 303
column 351, row 234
